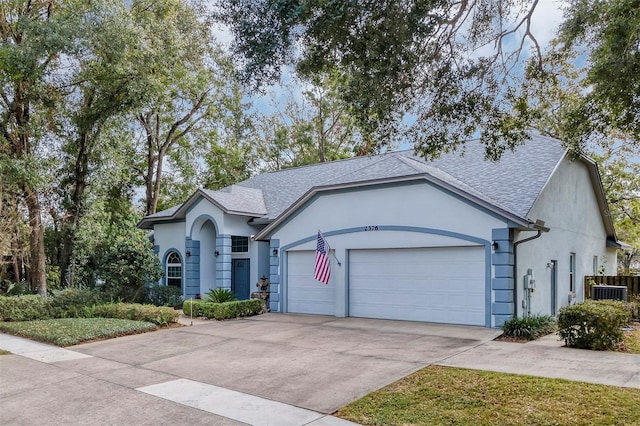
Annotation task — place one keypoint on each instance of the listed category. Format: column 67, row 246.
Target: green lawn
column 3, row 352
column 71, row 331
column 632, row 341
column 452, row 396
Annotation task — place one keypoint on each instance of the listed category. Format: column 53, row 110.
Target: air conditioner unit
column 609, row 292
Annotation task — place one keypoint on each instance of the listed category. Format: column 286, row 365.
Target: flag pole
column 327, row 242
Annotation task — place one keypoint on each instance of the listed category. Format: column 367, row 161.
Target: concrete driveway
column 314, row 362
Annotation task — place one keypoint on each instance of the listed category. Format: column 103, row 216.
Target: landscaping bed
column 72, row 331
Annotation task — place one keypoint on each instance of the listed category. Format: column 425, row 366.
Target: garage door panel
column 430, row 284
column 305, row 295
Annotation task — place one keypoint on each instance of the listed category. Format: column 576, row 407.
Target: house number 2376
column 371, row 228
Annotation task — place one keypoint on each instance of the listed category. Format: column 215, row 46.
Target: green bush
column 222, row 311
column 529, row 328
column 593, row 324
column 160, row 315
column 127, row 263
column 220, row 295
column 10, row 288
column 164, row 295
column 74, row 302
column 24, row 308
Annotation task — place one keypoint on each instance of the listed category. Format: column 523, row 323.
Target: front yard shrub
column 164, row 295
column 127, row 263
column 222, row 311
column 24, row 308
column 160, row 315
column 220, row 295
column 529, row 328
column 75, row 302
column 593, row 324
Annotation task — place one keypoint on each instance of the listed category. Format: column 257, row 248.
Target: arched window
column 174, row 270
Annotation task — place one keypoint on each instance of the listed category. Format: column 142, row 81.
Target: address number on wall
column 371, row 228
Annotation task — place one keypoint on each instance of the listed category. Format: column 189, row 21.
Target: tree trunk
column 157, row 182
column 17, row 254
column 36, row 241
column 72, row 218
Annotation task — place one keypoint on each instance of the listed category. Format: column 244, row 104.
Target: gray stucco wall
column 569, row 206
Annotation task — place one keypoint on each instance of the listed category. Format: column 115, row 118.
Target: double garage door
column 441, row 284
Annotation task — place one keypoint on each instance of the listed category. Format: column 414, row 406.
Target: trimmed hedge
column 68, row 303
column 25, row 308
column 159, row 315
column 74, row 302
column 163, row 295
column 593, row 324
column 223, row 311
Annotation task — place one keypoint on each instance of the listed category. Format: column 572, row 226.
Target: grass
column 446, row 396
column 632, row 340
column 3, row 352
column 71, row 331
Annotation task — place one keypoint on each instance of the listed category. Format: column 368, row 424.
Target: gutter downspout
column 515, row 268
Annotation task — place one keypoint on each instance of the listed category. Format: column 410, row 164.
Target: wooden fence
column 632, row 282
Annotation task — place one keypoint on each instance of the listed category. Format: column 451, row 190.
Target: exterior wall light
column 494, row 245
column 275, row 251
column 217, row 253
column 188, row 253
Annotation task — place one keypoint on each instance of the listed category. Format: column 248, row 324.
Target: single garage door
column 304, row 294
column 444, row 284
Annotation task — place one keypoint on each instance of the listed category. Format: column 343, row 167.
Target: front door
column 240, row 278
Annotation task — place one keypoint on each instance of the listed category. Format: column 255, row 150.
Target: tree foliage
column 314, row 126
column 189, row 82
column 423, row 62
column 37, row 36
column 607, row 33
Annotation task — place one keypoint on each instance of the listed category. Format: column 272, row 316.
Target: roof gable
column 233, row 199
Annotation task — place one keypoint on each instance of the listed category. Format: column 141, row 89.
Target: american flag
column 323, row 267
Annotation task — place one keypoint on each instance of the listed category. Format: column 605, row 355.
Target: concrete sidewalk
column 547, row 357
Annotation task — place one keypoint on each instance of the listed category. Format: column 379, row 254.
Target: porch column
column 502, row 283
column 223, row 261
column 275, row 295
column 192, row 268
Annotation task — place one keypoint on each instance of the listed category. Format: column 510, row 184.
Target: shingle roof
column 512, row 184
column 236, row 198
column 164, row 213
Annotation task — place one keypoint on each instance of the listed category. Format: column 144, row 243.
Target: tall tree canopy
column 80, row 81
column 312, row 127
column 607, row 33
column 441, row 66
column 36, row 38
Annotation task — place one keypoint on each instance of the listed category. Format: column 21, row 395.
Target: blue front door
column 240, row 278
